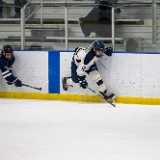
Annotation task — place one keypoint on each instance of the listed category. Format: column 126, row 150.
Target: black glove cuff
column 81, row 78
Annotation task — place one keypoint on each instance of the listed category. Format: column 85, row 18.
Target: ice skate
column 109, row 96
column 64, row 83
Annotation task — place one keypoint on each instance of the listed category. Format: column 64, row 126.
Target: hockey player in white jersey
column 84, row 61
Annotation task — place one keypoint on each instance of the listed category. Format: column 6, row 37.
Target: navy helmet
column 7, row 49
column 98, row 45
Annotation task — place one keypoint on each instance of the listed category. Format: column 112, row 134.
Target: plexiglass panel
column 66, row 24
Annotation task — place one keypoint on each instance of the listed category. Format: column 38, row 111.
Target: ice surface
column 55, row 130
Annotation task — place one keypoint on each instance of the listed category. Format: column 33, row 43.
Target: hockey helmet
column 7, row 49
column 98, row 45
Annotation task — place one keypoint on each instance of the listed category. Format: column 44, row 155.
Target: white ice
column 54, row 130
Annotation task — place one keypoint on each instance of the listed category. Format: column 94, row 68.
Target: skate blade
column 112, row 100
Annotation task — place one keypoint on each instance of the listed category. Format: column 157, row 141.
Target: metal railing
column 66, row 5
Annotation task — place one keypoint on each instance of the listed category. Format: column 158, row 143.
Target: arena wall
column 133, row 77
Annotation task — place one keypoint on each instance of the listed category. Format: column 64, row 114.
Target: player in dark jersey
column 6, row 60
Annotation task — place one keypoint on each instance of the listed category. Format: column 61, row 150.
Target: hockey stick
column 101, row 96
column 37, row 88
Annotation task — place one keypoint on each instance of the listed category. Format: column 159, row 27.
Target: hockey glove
column 82, row 82
column 18, row 83
column 108, row 51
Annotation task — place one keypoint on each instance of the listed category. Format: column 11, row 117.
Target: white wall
column 125, row 74
column 31, row 68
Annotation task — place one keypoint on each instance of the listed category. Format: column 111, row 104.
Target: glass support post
column 113, row 27
column 66, row 28
column 22, row 28
column 154, row 22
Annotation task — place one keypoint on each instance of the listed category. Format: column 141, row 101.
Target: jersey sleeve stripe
column 7, row 75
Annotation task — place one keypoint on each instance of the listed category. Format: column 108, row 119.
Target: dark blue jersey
column 6, row 68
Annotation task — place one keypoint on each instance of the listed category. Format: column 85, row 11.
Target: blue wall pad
column 54, row 72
